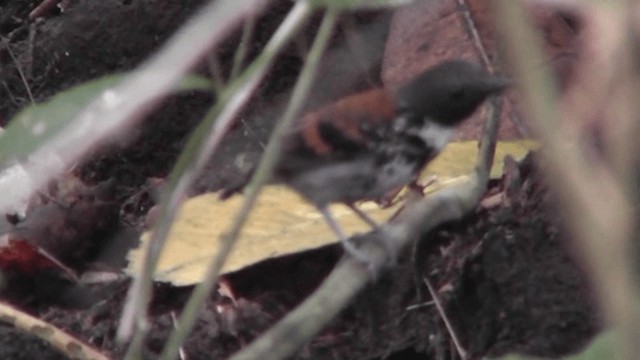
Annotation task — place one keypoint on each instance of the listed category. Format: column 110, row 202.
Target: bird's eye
column 402, row 108
column 457, row 94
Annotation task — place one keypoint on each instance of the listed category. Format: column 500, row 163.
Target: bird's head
column 449, row 92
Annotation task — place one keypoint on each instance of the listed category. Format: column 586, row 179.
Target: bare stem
column 190, row 312
column 593, row 198
column 204, row 141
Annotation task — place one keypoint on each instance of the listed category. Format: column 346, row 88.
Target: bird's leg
column 419, row 185
column 389, row 250
column 346, row 244
column 390, row 198
column 363, row 215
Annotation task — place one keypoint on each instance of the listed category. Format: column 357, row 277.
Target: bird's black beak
column 498, row 83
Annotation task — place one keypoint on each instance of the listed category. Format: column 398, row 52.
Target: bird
column 365, row 145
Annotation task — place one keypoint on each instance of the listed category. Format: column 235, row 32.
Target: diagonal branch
column 350, row 276
column 204, row 141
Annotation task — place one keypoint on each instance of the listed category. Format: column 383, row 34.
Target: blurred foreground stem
column 594, row 199
column 262, row 174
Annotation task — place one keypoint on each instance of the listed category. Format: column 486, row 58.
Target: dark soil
column 504, row 273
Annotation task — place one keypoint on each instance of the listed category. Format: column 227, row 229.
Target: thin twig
column 18, row 68
column 204, row 141
column 215, row 70
column 436, row 299
column 475, row 35
column 174, row 319
column 243, row 47
column 419, row 306
column 232, row 103
column 136, row 95
column 67, row 344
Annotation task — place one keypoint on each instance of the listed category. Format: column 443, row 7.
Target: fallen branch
column 350, row 276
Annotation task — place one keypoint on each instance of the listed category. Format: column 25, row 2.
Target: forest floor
column 505, row 273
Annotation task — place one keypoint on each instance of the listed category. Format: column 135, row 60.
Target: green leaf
column 604, row 346
column 35, row 124
column 194, row 83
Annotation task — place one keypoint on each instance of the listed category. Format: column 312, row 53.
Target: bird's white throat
column 435, row 135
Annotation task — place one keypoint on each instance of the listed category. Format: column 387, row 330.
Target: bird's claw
column 372, row 262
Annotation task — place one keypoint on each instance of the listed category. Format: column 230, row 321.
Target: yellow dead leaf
column 459, row 158
column 283, row 223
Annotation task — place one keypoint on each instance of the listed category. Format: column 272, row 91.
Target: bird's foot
column 370, row 259
column 373, row 262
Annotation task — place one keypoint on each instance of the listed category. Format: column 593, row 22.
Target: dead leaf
column 283, row 223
